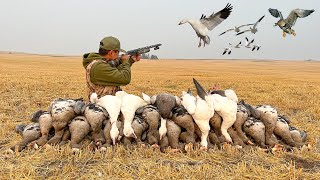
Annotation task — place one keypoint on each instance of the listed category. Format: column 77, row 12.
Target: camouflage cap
column 111, row 43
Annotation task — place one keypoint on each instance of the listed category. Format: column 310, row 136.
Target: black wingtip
column 261, row 18
column 225, row 12
column 200, row 90
column 239, row 33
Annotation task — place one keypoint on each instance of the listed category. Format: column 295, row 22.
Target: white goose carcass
column 113, row 105
column 224, row 106
column 201, row 110
column 129, row 104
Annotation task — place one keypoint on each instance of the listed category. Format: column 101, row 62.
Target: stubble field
column 30, row 82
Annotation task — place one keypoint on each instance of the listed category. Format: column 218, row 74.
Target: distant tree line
column 149, row 56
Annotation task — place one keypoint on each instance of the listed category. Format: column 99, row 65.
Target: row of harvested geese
column 213, row 118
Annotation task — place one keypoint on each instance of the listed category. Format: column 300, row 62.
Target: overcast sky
column 74, row 27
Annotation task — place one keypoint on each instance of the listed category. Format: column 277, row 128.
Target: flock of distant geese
column 206, row 24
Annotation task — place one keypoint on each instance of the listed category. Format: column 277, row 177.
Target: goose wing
column 276, row 13
column 294, row 14
column 245, row 25
column 226, row 31
column 216, row 18
column 255, row 25
column 242, row 32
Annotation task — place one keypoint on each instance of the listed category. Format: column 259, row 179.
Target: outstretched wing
column 242, row 32
column 255, row 25
column 226, row 31
column 245, row 25
column 215, row 19
column 276, row 13
column 294, row 14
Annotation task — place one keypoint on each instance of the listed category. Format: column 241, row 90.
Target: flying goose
column 236, row 29
column 248, row 43
column 255, row 46
column 235, row 46
column 252, row 29
column 287, row 24
column 227, row 50
column 206, row 24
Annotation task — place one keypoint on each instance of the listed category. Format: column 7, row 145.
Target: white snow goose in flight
column 287, row 24
column 236, row 29
column 206, row 24
column 252, row 29
column 248, row 43
column 235, row 46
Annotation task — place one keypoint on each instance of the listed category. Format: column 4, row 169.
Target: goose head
column 183, row 21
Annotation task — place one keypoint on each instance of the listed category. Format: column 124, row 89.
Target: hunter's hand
column 136, row 58
column 124, row 58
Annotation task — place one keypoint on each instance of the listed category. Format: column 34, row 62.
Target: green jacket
column 106, row 75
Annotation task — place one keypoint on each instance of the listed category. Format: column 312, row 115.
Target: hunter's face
column 115, row 54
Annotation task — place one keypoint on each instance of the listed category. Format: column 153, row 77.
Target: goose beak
column 200, row 90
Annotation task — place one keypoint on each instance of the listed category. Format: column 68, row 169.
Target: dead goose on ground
column 224, row 106
column 29, row 133
column 183, row 119
column 282, row 130
column 201, row 109
column 298, row 136
column 45, row 122
column 151, row 115
column 165, row 104
column 79, row 128
column 95, row 115
column 139, row 127
column 255, row 129
column 268, row 115
column 112, row 139
column 62, row 112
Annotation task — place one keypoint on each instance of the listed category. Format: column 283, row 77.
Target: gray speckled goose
column 242, row 115
column 45, row 122
column 183, row 119
column 139, row 127
column 173, row 134
column 298, row 136
column 62, row 112
column 95, row 116
column 282, row 130
column 79, row 128
column 268, row 115
column 29, row 133
column 152, row 116
column 255, row 129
